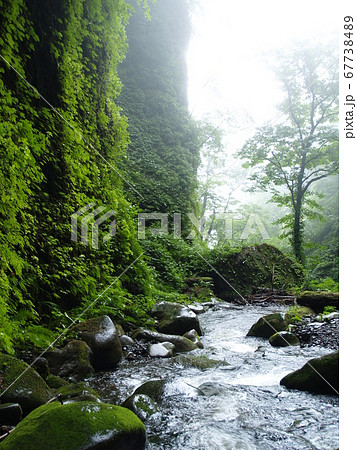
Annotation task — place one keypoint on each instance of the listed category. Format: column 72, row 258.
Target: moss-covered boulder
column 22, row 384
column 268, row 325
column 175, row 318
column 56, row 382
column 251, row 267
column 141, row 405
column 317, row 301
column 73, row 361
column 73, row 426
column 199, row 362
column 102, row 337
column 78, row 392
column 319, row 375
column 10, row 414
column 181, row 343
column 283, row 339
column 154, row 389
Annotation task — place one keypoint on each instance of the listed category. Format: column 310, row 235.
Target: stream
column 244, row 407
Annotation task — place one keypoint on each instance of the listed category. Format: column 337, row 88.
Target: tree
column 290, row 156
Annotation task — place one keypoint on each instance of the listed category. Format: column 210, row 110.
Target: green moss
column 77, row 425
column 142, row 405
column 29, row 389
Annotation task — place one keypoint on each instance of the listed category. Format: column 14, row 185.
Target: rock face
column 181, row 343
column 82, row 425
column 318, row 300
column 283, row 339
column 175, row 318
column 73, row 361
column 268, row 325
column 319, row 375
column 102, row 337
column 30, row 390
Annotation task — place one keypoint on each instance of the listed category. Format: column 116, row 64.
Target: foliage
column 290, row 157
column 163, row 154
column 53, row 163
column 329, row 310
column 328, row 284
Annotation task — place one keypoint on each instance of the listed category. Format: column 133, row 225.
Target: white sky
column 230, row 42
column 228, row 60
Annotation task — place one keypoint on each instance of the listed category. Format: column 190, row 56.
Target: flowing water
column 244, row 407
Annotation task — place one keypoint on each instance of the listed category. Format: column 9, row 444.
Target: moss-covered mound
column 319, row 375
column 268, row 325
column 252, row 266
column 74, row 426
column 21, row 384
column 318, row 300
column 76, row 392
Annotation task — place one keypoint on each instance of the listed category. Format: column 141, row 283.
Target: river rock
column 161, row 350
column 181, row 343
column 197, row 309
column 73, row 361
column 22, row 384
column 268, row 325
column 102, row 337
column 127, row 341
column 82, row 425
column 319, row 375
column 56, row 382
column 78, row 392
column 283, row 339
column 318, row 300
column 209, row 389
column 154, row 389
column 175, row 318
column 141, row 405
column 200, row 361
column 41, row 366
column 10, row 414
column 193, row 336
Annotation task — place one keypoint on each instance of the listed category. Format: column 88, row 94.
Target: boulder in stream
column 283, row 339
column 181, row 343
column 268, row 325
column 82, row 425
column 175, row 318
column 319, row 375
column 141, row 405
column 193, row 336
column 102, row 337
column 73, row 361
column 21, row 384
column 161, row 350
